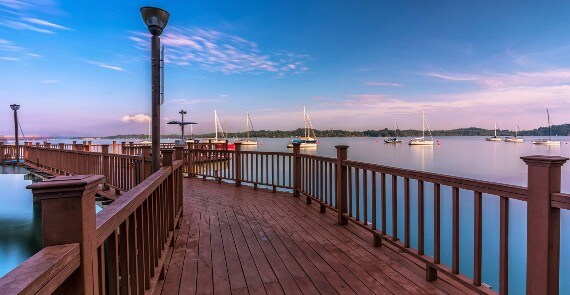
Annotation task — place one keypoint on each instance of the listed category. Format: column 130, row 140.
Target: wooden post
column 296, row 169
column 89, row 146
column 167, row 157
column 146, row 166
column 68, row 216
column 191, row 155
column 179, row 156
column 543, row 224
column 2, row 152
column 123, row 148
column 105, row 162
column 114, row 146
column 237, row 162
column 341, row 178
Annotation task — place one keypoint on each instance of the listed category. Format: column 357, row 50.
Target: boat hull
column 392, row 140
column 246, row 142
column 546, row 142
column 420, row 142
column 514, row 139
column 493, row 139
column 303, row 145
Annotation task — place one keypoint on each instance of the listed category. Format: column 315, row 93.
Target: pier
column 270, row 222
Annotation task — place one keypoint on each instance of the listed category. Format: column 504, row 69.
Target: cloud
column 370, row 83
column 138, row 118
column 49, row 81
column 358, row 100
column 185, row 101
column 32, row 24
column 224, row 95
column 217, row 51
column 537, row 78
column 28, row 4
column 14, row 53
column 106, row 66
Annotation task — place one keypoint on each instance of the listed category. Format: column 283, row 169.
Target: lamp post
column 182, row 112
column 16, row 107
column 156, row 20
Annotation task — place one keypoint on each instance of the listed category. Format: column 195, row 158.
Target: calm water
column 470, row 157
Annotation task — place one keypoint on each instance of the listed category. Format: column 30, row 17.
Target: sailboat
column 248, row 124
column 218, row 130
column 149, row 141
column 422, row 140
column 394, row 139
column 494, row 137
column 516, row 138
column 548, row 141
column 309, row 139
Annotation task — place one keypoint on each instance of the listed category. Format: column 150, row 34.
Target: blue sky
column 82, row 67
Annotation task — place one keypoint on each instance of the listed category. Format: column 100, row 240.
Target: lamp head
column 15, row 107
column 183, row 112
column 155, row 19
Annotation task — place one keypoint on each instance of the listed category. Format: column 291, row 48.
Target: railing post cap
column 167, row 150
column 341, row 147
column 65, row 186
column 296, row 143
column 544, row 161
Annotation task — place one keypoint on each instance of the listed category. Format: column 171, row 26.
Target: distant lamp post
column 182, row 124
column 156, row 20
column 15, row 108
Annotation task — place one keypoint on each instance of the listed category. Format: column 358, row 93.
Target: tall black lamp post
column 16, row 107
column 156, row 20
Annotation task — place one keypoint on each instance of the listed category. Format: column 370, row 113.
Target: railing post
column 146, row 164
column 123, row 148
column 237, row 162
column 190, row 167
column 341, row 177
column 89, row 146
column 296, row 169
column 68, row 216
column 543, row 224
column 179, row 156
column 105, row 163
column 2, row 153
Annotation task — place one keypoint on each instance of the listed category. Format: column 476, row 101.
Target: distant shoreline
column 557, row 130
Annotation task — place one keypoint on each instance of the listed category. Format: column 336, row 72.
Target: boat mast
column 216, row 123
column 517, row 129
column 495, row 129
column 423, row 125
column 549, row 128
column 247, row 124
column 305, row 120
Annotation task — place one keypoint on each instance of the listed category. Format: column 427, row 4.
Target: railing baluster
column 394, row 208
column 420, row 217
column 383, row 201
column 436, row 223
column 406, row 212
column 350, row 191
column 124, row 258
column 357, row 191
column 504, row 247
column 478, row 242
column 365, row 195
column 455, row 229
column 113, row 263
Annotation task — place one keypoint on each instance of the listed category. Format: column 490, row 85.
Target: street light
column 156, row 20
column 15, row 108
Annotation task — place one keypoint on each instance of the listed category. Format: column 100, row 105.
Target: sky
column 82, row 68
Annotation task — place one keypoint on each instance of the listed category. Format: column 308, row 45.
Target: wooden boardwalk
column 245, row 241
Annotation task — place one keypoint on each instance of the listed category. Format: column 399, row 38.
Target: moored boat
column 516, row 138
column 422, row 140
column 548, row 141
column 309, row 140
column 394, row 139
column 495, row 137
column 247, row 141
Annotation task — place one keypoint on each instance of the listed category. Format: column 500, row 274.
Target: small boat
column 495, row 137
column 247, row 141
column 422, row 140
column 309, row 140
column 516, row 138
column 394, row 139
column 548, row 141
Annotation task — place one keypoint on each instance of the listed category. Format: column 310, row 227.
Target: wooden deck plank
column 235, row 272
column 243, row 241
column 190, row 266
column 285, row 279
column 252, row 278
column 219, row 268
column 204, row 284
column 320, row 282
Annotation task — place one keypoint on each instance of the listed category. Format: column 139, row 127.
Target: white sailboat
column 309, row 140
column 516, row 138
column 394, row 139
column 247, row 140
column 548, row 141
column 422, row 140
column 220, row 135
column 494, row 137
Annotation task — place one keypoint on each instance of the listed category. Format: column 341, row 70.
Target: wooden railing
column 369, row 196
column 122, row 249
column 122, row 172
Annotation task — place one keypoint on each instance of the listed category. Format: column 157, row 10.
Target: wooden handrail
column 560, row 201
column 44, row 272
